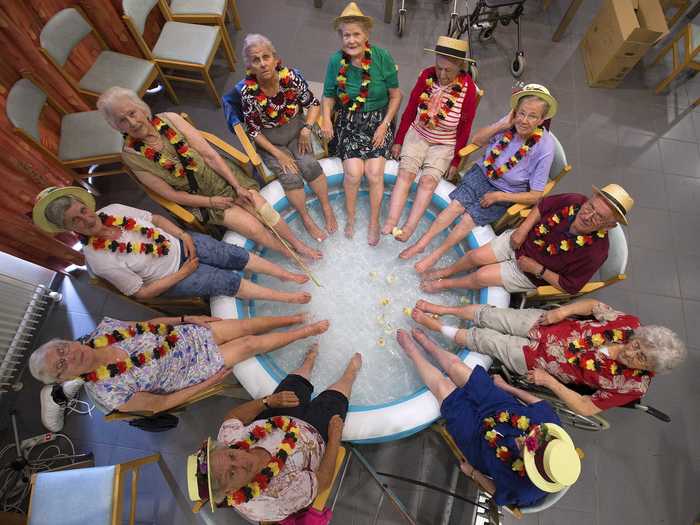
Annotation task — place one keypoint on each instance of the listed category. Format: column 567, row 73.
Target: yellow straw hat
column 199, row 474
column 352, row 13
column 539, row 91
column 50, row 194
column 618, row 199
column 452, row 47
column 559, row 461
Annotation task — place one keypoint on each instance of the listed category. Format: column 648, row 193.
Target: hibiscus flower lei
column 579, row 352
column 496, row 173
column 166, row 331
column 278, row 115
column 276, row 464
column 187, row 162
column 543, row 229
column 451, row 99
column 342, row 79
column 532, row 436
column 158, row 248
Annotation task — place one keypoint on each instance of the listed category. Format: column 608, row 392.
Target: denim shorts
column 475, row 184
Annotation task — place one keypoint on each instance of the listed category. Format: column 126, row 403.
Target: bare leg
column 297, row 198
column 485, row 276
column 374, row 170
column 250, row 290
column 431, row 323
column 257, row 264
column 459, row 372
column 242, row 221
column 439, row 385
column 458, row 233
column 426, row 187
column 442, row 221
column 399, row 196
column 465, row 312
column 249, row 345
column 308, row 365
column 344, row 384
column 320, row 187
column 353, row 169
column 229, row 329
column 470, row 260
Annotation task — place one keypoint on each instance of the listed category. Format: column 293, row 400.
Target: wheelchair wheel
column 571, row 418
column 517, row 66
column 453, row 27
column 486, row 34
column 401, row 23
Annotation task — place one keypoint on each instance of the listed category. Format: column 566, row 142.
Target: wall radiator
column 22, row 308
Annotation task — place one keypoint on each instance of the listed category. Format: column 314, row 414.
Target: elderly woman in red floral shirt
column 611, row 353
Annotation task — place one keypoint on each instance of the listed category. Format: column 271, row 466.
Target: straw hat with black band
column 199, row 474
column 50, row 194
column 618, row 199
column 452, row 47
column 350, row 14
column 539, row 91
column 556, row 464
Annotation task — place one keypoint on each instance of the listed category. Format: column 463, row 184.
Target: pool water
column 364, row 294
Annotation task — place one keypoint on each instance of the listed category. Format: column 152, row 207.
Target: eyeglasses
column 589, row 208
column 62, row 363
column 530, row 117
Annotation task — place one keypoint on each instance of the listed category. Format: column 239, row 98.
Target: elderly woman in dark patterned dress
column 273, row 97
column 361, row 81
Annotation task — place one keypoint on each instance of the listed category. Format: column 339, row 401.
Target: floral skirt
column 354, row 131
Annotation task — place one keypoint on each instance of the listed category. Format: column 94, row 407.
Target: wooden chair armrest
column 177, row 210
column 468, row 150
column 524, row 213
column 515, row 209
column 224, row 146
column 248, row 147
column 322, row 497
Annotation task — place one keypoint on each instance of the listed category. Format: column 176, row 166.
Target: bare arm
column 395, row 96
column 525, row 396
column 168, row 226
column 580, row 404
column 249, row 411
column 327, row 105
column 528, row 224
column 312, row 114
column 262, row 141
column 325, row 470
column 166, row 191
column 483, row 135
column 525, row 197
column 483, row 481
column 160, row 286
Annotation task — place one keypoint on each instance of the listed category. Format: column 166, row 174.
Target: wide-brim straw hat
column 539, row 91
column 618, row 199
column 452, row 47
column 50, row 194
column 198, row 482
column 352, row 13
column 560, row 461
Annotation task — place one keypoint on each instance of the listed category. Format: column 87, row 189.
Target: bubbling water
column 366, row 294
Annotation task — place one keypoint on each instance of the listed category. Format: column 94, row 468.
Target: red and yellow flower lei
column 580, row 353
column 138, row 360
column 531, row 436
column 276, row 464
column 279, row 117
column 158, row 248
column 342, row 79
column 451, row 99
column 187, row 162
column 543, row 229
column 496, row 173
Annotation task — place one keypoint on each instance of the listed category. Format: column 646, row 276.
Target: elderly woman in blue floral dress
column 156, row 365
column 273, row 97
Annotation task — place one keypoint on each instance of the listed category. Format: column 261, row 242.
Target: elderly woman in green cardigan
column 361, row 82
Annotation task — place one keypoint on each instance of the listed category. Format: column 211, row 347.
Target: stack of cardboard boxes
column 619, row 36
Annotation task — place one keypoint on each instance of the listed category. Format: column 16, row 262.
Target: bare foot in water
column 432, row 308
column 373, row 234
column 309, row 252
column 313, row 229
column 411, row 251
column 318, row 328
column 349, row 229
column 426, row 263
column 431, row 286
column 309, row 360
column 426, row 320
column 301, row 298
column 331, row 221
column 299, row 278
column 437, row 273
column 354, row 365
column 407, row 343
column 301, row 317
column 388, row 228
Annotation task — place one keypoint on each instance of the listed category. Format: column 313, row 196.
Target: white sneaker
column 56, row 399
column 72, row 388
column 52, row 414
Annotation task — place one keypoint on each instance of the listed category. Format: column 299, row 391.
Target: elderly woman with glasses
column 607, row 351
column 518, row 153
column 156, row 365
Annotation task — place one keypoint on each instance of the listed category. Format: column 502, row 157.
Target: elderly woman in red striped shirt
column 434, row 127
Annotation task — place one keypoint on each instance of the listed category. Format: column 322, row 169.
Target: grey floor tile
column 680, row 158
column 675, row 485
column 649, row 228
column 639, row 150
column 646, row 186
column 688, row 270
column 684, row 227
column 692, row 316
column 652, row 271
column 683, row 194
column 632, row 487
column 560, row 515
column 660, row 310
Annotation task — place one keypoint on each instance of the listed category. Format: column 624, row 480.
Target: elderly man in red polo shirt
column 609, row 351
column 562, row 242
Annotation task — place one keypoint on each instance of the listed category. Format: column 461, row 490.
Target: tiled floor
column 640, row 472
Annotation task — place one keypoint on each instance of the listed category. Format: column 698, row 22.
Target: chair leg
column 168, row 86
column 228, row 46
column 670, row 78
column 212, row 88
column 233, row 11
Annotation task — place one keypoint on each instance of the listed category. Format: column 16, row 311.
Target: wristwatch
column 540, row 274
column 264, row 400
column 307, row 126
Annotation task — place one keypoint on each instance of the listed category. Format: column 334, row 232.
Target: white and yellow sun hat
column 199, row 474
column 556, row 464
column 50, row 194
column 539, row 91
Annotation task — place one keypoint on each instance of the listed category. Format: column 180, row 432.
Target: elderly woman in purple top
column 518, row 154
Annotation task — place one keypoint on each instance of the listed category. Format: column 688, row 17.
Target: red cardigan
column 466, row 118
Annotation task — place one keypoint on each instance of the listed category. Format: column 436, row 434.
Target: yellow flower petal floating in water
column 407, row 311
column 385, row 301
column 381, row 320
column 381, row 341
column 396, row 231
column 391, row 278
column 465, row 300
column 373, row 275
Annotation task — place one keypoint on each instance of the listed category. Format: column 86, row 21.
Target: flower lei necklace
column 533, row 436
column 278, row 116
column 167, row 331
column 158, row 248
column 543, row 229
column 276, row 464
column 341, row 79
column 496, row 173
column 187, row 162
column 580, row 353
column 451, row 99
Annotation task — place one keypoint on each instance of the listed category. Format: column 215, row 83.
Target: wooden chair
column 207, row 12
column 678, row 6
column 558, row 170
column 70, row 26
column 180, row 46
column 85, row 137
column 612, row 271
column 684, row 49
column 87, row 495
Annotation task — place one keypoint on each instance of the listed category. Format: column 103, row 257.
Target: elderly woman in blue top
column 273, row 97
column 513, row 445
column 361, row 82
column 515, row 167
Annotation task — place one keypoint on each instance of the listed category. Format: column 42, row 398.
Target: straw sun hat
column 556, row 464
column 50, row 194
column 352, row 13
column 199, row 475
column 539, row 91
column 618, row 199
column 452, row 47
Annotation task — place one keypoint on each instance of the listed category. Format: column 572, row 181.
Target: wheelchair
column 485, row 17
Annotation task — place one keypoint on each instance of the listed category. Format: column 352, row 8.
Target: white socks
column 450, row 332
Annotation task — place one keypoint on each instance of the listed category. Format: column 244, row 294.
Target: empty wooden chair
column 684, row 49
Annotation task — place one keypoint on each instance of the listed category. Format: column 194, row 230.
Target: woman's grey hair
column 256, row 40
column 545, row 104
column 663, row 348
column 109, row 98
column 37, row 362
column 56, row 210
column 362, row 22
